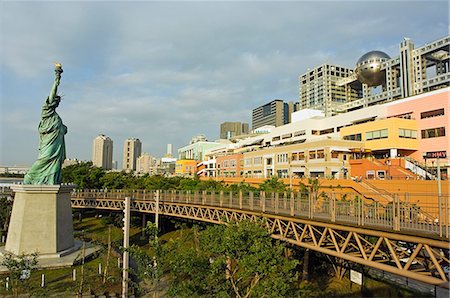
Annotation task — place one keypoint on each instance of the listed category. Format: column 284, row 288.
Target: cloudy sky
column 166, row 71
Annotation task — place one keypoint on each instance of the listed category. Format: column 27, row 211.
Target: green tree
column 5, row 214
column 236, row 260
column 149, row 264
column 19, row 269
column 272, row 185
column 243, row 186
column 84, row 175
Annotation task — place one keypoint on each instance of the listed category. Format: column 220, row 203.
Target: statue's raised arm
column 53, row 93
column 52, row 150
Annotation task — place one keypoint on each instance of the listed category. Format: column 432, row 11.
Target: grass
column 372, row 288
column 60, row 281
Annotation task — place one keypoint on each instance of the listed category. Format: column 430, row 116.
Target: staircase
column 384, row 197
column 418, row 168
column 380, row 195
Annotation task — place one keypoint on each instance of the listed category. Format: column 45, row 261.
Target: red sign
column 436, row 154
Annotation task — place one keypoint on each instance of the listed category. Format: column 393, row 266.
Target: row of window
column 289, row 135
column 402, row 133
column 376, row 134
column 228, row 163
column 433, row 133
column 407, row 133
column 430, row 114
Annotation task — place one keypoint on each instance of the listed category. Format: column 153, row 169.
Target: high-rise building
column 276, row 113
column 102, row 152
column 169, row 151
column 377, row 78
column 319, row 91
column 229, row 130
column 131, row 151
column 146, row 164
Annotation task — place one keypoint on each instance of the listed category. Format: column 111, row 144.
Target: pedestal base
column 41, row 221
column 70, row 258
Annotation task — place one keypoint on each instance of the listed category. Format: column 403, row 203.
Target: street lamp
column 388, row 162
column 290, row 172
column 424, row 155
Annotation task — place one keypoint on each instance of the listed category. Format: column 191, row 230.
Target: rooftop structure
column 275, row 113
column 377, row 78
column 229, row 130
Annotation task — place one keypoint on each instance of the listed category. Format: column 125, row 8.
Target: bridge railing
column 420, row 213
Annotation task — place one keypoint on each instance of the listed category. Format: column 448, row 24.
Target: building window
column 326, row 131
column 407, row 133
column 257, row 160
column 275, row 138
column 269, row 161
column 334, row 154
column 299, row 133
column 301, row 156
column 433, row 133
column 286, row 136
column 376, row 134
column 282, row 158
column 320, row 154
column 434, row 113
column 355, row 137
column 294, row 156
column 312, row 154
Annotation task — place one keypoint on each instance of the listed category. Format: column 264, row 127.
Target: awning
column 339, row 149
column 360, row 150
column 254, row 142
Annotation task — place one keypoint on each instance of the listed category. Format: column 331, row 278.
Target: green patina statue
column 52, row 149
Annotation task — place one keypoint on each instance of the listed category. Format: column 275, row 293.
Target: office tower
column 229, row 130
column 102, row 152
column 131, row 151
column 319, row 89
column 169, row 150
column 146, row 164
column 377, row 78
column 276, row 113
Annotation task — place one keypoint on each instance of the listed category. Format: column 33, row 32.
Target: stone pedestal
column 41, row 221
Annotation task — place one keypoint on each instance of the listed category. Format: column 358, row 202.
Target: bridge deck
column 397, row 239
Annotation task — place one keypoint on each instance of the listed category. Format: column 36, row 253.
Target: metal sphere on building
column 368, row 68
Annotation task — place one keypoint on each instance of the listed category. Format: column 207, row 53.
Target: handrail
column 332, row 207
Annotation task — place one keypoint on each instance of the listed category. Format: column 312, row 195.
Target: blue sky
column 166, row 71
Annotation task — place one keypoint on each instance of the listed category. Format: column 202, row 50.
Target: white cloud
column 165, row 71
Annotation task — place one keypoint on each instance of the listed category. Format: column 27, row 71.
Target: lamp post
column 424, row 155
column 388, row 162
column 290, row 172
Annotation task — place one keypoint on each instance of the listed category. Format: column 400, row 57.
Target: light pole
column 126, row 243
column 388, row 162
column 426, row 170
column 290, row 172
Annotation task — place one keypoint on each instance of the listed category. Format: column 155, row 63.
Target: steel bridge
column 396, row 238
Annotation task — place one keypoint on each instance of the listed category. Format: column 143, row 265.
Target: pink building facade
column 431, row 111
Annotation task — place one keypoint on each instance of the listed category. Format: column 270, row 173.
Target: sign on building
column 436, row 154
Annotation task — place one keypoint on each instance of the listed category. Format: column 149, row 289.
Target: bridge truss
column 421, row 258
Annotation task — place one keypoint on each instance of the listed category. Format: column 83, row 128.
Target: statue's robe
column 52, row 149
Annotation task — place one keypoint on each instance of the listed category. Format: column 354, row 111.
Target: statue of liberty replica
column 52, row 150
column 41, row 218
